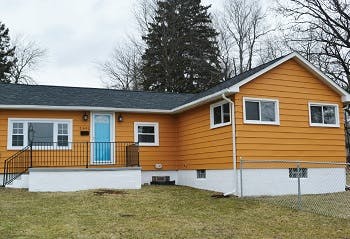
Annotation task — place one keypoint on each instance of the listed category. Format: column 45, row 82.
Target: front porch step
column 20, row 182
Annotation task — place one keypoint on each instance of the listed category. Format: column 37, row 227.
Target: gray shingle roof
column 11, row 94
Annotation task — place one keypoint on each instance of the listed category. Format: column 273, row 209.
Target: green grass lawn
column 156, row 212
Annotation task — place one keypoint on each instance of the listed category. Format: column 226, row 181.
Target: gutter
column 234, row 151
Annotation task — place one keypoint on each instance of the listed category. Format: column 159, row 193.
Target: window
column 325, row 115
column 146, row 134
column 62, row 134
column 293, row 172
column 39, row 132
column 220, row 114
column 261, row 111
column 17, row 134
column 201, row 173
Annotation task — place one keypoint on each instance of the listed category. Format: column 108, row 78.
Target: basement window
column 220, row 114
column 201, row 173
column 41, row 133
column 294, row 172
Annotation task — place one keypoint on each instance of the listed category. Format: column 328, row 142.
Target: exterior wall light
column 120, row 118
column 85, row 116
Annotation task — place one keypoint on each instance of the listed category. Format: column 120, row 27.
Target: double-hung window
column 324, row 115
column 220, row 114
column 41, row 133
column 260, row 111
column 146, row 134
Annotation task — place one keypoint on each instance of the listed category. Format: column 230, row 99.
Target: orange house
column 68, row 138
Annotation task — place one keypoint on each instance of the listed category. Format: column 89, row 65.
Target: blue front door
column 102, row 147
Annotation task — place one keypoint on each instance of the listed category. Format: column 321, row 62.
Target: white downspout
column 234, row 152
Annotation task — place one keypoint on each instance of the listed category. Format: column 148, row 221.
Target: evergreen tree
column 182, row 51
column 7, row 59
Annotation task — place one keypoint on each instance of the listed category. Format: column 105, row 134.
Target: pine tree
column 7, row 59
column 182, row 51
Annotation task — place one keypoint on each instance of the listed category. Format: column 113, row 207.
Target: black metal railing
column 71, row 154
column 85, row 154
column 17, row 164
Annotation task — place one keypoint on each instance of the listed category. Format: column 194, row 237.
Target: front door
column 102, row 148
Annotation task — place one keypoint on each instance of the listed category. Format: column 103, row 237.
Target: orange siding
column 293, row 139
column 78, row 125
column 165, row 153
column 187, row 142
column 201, row 147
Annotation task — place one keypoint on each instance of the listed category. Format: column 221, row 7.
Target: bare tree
column 144, row 12
column 319, row 30
column 242, row 26
column 29, row 57
column 122, row 69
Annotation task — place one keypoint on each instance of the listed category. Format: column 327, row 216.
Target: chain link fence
column 319, row 187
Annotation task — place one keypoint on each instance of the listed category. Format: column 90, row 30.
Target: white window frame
column 212, row 106
column 277, row 112
column 336, row 125
column 25, row 122
column 156, row 133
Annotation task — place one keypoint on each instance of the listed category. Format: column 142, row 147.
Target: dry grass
column 155, row 212
column 331, row 204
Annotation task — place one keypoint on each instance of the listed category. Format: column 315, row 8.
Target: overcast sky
column 76, row 33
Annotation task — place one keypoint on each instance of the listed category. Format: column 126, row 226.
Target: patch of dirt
column 126, row 215
column 102, row 192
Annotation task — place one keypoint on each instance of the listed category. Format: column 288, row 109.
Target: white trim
column 336, row 125
column 84, row 108
column 277, row 112
column 112, row 136
column 214, row 105
column 156, row 133
column 25, row 121
column 217, row 95
column 234, row 148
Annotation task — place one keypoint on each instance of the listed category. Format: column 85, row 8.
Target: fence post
column 31, row 154
column 241, row 175
column 87, row 154
column 299, row 188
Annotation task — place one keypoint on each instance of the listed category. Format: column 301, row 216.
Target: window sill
column 148, row 145
column 219, row 125
column 261, row 122
column 325, row 125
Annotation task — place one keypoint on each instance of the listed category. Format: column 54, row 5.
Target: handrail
column 85, row 154
column 71, row 154
column 17, row 164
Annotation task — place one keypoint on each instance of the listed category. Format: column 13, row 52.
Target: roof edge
column 320, row 75
column 83, row 108
column 217, row 95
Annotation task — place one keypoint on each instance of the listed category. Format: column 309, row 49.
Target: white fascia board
column 346, row 98
column 321, row 76
column 203, row 100
column 266, row 69
column 83, row 108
